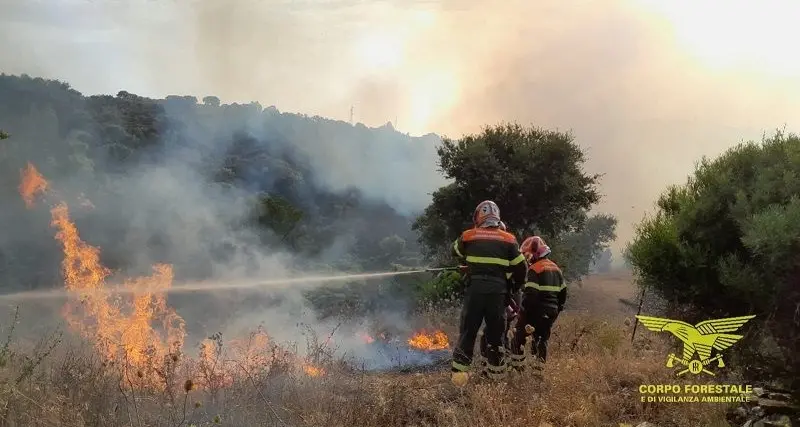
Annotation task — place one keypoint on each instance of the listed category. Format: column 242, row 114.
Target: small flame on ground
column 424, row 341
column 244, row 358
column 366, row 338
column 312, row 371
column 32, row 183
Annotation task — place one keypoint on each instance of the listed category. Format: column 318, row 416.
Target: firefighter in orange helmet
column 489, row 253
column 544, row 296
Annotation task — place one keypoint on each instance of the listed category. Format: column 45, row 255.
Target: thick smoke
column 644, row 85
column 168, row 206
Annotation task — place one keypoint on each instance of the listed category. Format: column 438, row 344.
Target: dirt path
column 603, row 294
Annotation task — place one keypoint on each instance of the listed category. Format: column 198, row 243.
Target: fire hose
column 456, row 268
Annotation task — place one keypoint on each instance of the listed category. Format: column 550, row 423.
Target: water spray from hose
column 217, row 286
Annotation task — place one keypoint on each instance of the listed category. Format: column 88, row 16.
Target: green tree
column 726, row 243
column 392, row 246
column 576, row 250
column 211, row 101
column 604, row 262
column 3, row 135
column 280, row 216
column 534, row 175
column 445, row 286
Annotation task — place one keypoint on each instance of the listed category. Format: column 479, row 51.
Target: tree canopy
column 536, row 178
column 726, row 243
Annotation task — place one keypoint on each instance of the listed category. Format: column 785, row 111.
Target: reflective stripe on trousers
column 517, row 360
column 497, row 372
column 458, row 367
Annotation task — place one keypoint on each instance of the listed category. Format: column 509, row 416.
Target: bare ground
column 607, row 294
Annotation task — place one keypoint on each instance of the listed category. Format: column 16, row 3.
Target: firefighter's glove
column 510, row 312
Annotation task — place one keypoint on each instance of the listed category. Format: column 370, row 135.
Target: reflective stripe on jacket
column 491, row 254
column 545, row 284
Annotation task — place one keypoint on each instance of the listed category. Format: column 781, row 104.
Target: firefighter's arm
column 458, row 249
column 518, row 268
column 516, row 300
column 562, row 294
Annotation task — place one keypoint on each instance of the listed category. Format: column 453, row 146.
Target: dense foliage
column 726, row 244
column 536, row 178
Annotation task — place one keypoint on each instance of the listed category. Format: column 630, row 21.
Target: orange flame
column 214, row 372
column 435, row 341
column 312, row 371
column 119, row 331
column 142, row 331
column 256, row 354
column 365, row 337
column 32, row 183
column 249, row 358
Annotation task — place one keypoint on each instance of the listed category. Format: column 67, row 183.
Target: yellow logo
column 700, row 338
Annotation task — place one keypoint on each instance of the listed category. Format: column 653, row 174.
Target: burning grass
column 429, row 340
column 138, row 329
column 591, row 380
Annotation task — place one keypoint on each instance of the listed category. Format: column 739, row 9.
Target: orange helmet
column 487, row 214
column 534, row 248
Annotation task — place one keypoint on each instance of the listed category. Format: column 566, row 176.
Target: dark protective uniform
column 509, row 296
column 543, row 299
column 489, row 254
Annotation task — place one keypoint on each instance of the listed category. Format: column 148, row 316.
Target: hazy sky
column 647, row 86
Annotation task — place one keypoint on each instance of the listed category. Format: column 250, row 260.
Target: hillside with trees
column 197, row 185
column 220, row 190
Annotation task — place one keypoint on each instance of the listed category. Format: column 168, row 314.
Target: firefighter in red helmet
column 544, row 296
column 489, row 253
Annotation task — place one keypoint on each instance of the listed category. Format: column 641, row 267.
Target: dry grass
column 591, row 379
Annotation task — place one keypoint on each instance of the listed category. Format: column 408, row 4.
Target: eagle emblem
column 698, row 339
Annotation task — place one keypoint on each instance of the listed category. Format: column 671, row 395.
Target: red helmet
column 534, row 248
column 486, row 214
